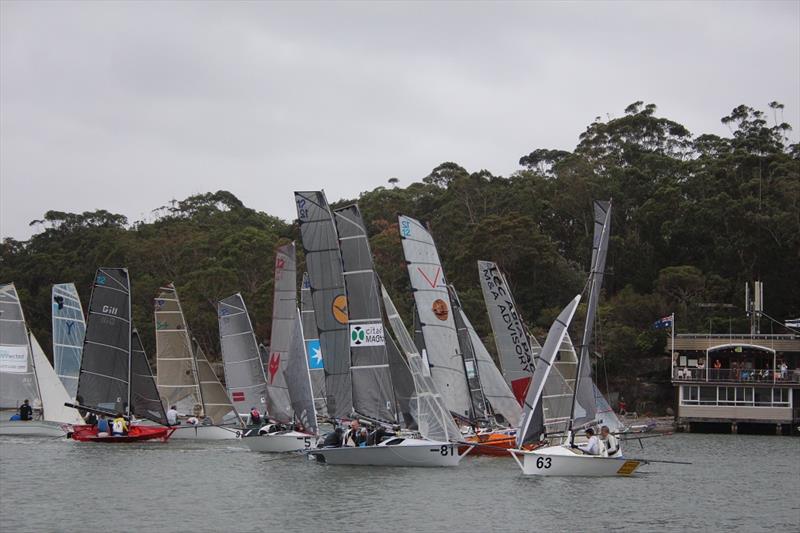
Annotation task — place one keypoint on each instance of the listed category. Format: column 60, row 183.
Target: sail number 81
column 446, row 450
column 543, row 462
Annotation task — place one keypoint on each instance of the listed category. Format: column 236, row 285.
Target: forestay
column 435, row 315
column 324, row 263
column 17, row 371
column 532, row 426
column 175, row 366
column 373, row 394
column 434, row 420
column 69, row 328
column 216, row 403
column 244, row 374
column 298, row 379
column 145, row 401
column 515, row 347
column 316, row 366
column 105, row 364
column 284, row 316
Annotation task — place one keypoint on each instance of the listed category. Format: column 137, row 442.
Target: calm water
column 747, row 483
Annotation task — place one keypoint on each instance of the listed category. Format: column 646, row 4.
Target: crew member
column 102, row 426
column 255, row 416
column 25, row 411
column 119, row 427
column 593, row 446
column 609, row 440
column 172, row 416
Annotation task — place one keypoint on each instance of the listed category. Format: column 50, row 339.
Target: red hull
column 136, row 434
column 493, row 444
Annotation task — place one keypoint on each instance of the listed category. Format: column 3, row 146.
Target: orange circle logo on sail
column 440, row 309
column 339, row 308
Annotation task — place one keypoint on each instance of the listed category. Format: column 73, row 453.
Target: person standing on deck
column 593, row 446
column 25, row 411
column 172, row 416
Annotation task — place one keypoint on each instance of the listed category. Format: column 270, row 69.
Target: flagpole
column 672, row 323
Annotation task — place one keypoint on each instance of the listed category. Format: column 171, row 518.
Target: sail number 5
column 543, row 462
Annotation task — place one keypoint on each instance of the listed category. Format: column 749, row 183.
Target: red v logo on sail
column 435, row 278
column 274, row 364
column 237, row 396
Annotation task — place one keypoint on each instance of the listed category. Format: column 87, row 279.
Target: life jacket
column 119, row 425
column 102, row 426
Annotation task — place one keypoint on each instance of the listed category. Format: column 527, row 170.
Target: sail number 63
column 543, row 462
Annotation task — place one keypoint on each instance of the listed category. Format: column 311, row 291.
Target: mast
column 130, row 347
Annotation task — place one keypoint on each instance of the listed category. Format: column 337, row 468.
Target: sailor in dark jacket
column 25, row 411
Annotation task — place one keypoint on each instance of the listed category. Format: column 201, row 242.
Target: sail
column 284, row 311
column 69, row 328
column 498, row 395
column 216, row 403
column 605, row 415
column 316, row 366
column 471, row 370
column 533, row 417
column 54, row 395
column 373, row 394
column 175, row 368
column 324, row 263
column 558, row 392
column 514, row 346
column 105, row 369
column 583, row 410
column 17, row 372
column 435, row 315
column 145, row 401
column 433, row 418
column 298, row 379
column 244, row 374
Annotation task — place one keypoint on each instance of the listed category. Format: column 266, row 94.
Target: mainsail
column 244, row 374
column 298, row 379
column 69, row 328
column 324, row 263
column 175, row 366
column 435, row 315
column 373, row 393
column 54, row 396
column 313, row 349
column 105, row 364
column 216, row 403
column 584, row 406
column 471, row 369
column 515, row 347
column 145, row 401
column 428, row 409
column 284, row 316
column 17, row 371
column 533, row 424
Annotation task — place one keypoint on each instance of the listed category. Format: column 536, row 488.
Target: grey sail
column 145, row 401
column 175, row 364
column 69, row 328
column 216, row 402
column 435, row 315
column 316, row 367
column 515, row 348
column 284, row 316
column 105, row 364
column 558, row 392
column 433, row 418
column 584, row 406
column 495, row 390
column 471, row 369
column 373, row 393
column 244, row 374
column 17, row 371
column 533, row 424
column 324, row 264
column 298, row 379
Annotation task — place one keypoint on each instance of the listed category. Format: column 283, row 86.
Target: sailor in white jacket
column 593, row 446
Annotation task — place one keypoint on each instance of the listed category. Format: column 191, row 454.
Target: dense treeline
column 694, row 218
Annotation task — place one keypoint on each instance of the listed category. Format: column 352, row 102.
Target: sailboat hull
column 394, row 452
column 207, row 433
column 495, row 444
column 33, row 428
column 136, row 434
column 290, row 441
column 559, row 461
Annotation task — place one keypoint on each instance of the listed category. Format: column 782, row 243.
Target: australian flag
column 663, row 322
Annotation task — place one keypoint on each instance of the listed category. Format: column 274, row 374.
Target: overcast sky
column 124, row 106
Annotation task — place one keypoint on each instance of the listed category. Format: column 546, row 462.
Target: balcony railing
column 730, row 375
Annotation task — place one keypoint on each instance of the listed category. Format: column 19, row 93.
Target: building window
column 690, row 395
column 708, row 395
column 727, row 395
column 762, row 397
column 780, row 397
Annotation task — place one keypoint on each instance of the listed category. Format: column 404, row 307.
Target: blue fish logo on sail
column 314, row 354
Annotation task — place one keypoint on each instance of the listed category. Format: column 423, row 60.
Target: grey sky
column 124, row 106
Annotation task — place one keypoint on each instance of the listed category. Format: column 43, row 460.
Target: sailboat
column 381, row 387
column 185, row 378
column 450, row 348
column 69, row 327
column 244, row 373
column 564, row 459
column 25, row 373
column 115, row 376
column 290, row 402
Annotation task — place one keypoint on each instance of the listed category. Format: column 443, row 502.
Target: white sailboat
column 25, row 373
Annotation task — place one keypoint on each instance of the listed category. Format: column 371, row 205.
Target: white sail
column 284, row 310
column 54, row 395
column 69, row 329
column 435, row 315
column 17, row 372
